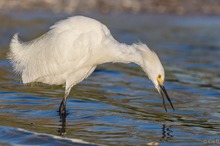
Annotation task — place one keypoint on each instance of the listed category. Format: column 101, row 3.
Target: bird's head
column 152, row 66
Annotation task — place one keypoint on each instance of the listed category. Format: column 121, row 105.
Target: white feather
column 70, row 51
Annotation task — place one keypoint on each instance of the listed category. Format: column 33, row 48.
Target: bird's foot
column 62, row 112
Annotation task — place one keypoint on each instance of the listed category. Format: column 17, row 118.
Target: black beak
column 163, row 93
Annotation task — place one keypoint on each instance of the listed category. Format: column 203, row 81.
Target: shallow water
column 125, row 109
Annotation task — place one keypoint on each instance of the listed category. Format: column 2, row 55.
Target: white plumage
column 70, row 51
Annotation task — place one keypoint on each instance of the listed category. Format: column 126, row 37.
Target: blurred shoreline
column 173, row 7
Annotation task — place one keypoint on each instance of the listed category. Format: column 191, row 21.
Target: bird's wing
column 50, row 55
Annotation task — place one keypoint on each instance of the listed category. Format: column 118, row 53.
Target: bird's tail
column 16, row 54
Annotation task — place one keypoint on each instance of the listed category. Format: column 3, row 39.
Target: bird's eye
column 159, row 79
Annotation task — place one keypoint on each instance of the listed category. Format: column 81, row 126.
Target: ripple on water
column 118, row 104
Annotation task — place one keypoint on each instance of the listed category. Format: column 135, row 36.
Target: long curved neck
column 121, row 53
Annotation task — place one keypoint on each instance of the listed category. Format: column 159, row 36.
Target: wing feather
column 59, row 52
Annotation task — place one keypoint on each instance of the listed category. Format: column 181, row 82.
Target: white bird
column 70, row 51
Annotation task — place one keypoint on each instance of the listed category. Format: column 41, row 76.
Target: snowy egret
column 70, row 51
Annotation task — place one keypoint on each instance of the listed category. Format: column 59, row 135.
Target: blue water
column 125, row 109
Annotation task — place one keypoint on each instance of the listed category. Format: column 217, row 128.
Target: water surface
column 117, row 104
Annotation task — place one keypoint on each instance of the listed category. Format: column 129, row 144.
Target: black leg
column 62, row 108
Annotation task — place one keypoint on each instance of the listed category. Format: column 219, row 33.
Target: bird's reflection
column 62, row 129
column 166, row 133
